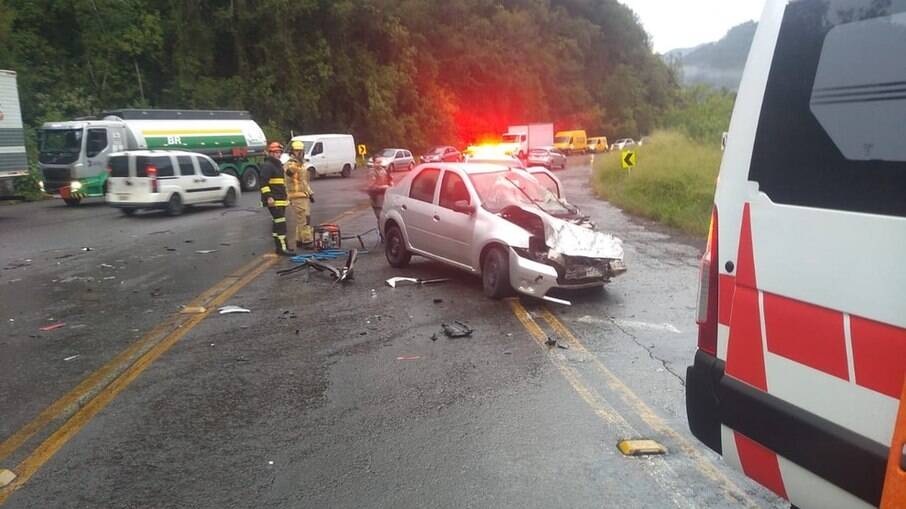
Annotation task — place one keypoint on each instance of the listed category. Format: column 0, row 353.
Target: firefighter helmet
column 297, row 145
column 275, row 146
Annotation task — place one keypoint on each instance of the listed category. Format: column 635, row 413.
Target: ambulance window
column 831, row 129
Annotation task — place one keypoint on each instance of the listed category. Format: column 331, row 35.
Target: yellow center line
column 702, row 463
column 178, row 327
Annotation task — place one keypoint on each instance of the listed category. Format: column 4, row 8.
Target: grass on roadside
column 673, row 183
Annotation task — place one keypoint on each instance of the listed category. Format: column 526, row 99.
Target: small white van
column 802, row 312
column 168, row 180
column 328, row 154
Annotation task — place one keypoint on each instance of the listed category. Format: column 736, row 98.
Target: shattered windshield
column 507, row 188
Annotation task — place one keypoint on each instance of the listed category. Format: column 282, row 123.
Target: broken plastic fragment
column 206, row 251
column 72, row 357
column 55, row 326
column 228, row 310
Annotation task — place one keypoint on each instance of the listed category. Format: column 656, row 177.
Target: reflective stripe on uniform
column 275, row 181
column 265, row 189
column 281, row 203
column 280, row 220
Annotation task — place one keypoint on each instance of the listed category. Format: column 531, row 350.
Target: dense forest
column 392, row 72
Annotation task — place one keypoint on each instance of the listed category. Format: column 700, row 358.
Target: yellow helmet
column 296, row 145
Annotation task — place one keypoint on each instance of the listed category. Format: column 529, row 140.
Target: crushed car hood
column 569, row 239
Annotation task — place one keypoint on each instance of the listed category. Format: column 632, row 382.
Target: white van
column 328, row 154
column 802, row 313
column 168, row 180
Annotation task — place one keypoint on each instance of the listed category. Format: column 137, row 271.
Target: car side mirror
column 463, row 207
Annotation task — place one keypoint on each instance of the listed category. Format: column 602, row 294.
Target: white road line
column 630, row 324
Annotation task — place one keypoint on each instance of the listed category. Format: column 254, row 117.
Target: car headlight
column 75, row 186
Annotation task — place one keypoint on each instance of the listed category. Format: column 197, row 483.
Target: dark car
column 442, row 155
column 548, row 157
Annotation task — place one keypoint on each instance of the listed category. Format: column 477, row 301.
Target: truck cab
column 73, row 156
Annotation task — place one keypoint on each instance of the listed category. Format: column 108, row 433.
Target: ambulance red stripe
column 879, row 355
column 807, row 334
column 760, row 463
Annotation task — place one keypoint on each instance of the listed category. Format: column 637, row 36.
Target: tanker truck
column 73, row 155
column 13, row 158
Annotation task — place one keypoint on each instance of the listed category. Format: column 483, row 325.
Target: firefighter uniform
column 300, row 194
column 273, row 186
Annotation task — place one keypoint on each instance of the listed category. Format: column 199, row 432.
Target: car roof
column 156, row 153
column 471, row 168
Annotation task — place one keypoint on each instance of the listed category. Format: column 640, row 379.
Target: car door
column 189, row 179
column 418, row 209
column 318, row 159
column 455, row 230
column 210, row 186
column 399, row 160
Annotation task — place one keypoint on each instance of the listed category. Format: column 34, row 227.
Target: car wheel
column 395, row 248
column 495, row 274
column 411, row 167
column 230, row 199
column 174, row 205
column 347, row 171
column 128, row 212
column 312, row 174
column 250, row 179
column 72, row 202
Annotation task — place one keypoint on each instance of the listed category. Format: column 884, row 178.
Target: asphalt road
column 335, row 396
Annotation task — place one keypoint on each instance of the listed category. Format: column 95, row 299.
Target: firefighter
column 273, row 195
column 379, row 180
column 300, row 194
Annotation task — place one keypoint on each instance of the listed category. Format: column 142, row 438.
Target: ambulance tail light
column 708, row 292
column 151, row 171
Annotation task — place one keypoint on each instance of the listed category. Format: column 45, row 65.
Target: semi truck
column 520, row 139
column 13, row 158
column 73, row 155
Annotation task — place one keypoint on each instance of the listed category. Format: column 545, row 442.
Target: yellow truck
column 571, row 142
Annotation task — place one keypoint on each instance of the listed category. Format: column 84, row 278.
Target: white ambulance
column 802, row 314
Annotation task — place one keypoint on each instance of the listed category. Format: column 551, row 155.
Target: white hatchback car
column 500, row 223
column 168, row 180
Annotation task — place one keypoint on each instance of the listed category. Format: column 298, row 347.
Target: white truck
column 73, row 155
column 13, row 159
column 520, row 139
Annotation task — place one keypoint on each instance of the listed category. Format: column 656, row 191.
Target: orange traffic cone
column 894, row 496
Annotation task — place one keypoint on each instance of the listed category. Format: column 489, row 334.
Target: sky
column 676, row 24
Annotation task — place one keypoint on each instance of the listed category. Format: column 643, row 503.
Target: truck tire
column 495, row 274
column 174, row 205
column 347, row 171
column 72, row 202
column 250, row 179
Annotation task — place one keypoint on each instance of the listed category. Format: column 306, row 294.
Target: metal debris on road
column 402, row 281
column 438, row 301
column 551, row 342
column 340, row 275
column 228, row 310
column 157, row 292
column 72, row 357
column 457, row 330
column 641, row 448
column 86, row 249
column 205, row 251
column 106, row 266
column 48, row 328
column 409, row 358
column 193, row 310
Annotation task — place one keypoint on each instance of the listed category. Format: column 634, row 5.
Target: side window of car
column 207, row 169
column 317, row 149
column 96, row 143
column 453, row 190
column 399, row 154
column 164, row 166
column 423, row 185
column 186, row 168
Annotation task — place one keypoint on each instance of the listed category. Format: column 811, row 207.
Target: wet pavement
column 330, row 395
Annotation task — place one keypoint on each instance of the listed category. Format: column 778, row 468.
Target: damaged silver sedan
column 500, row 223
